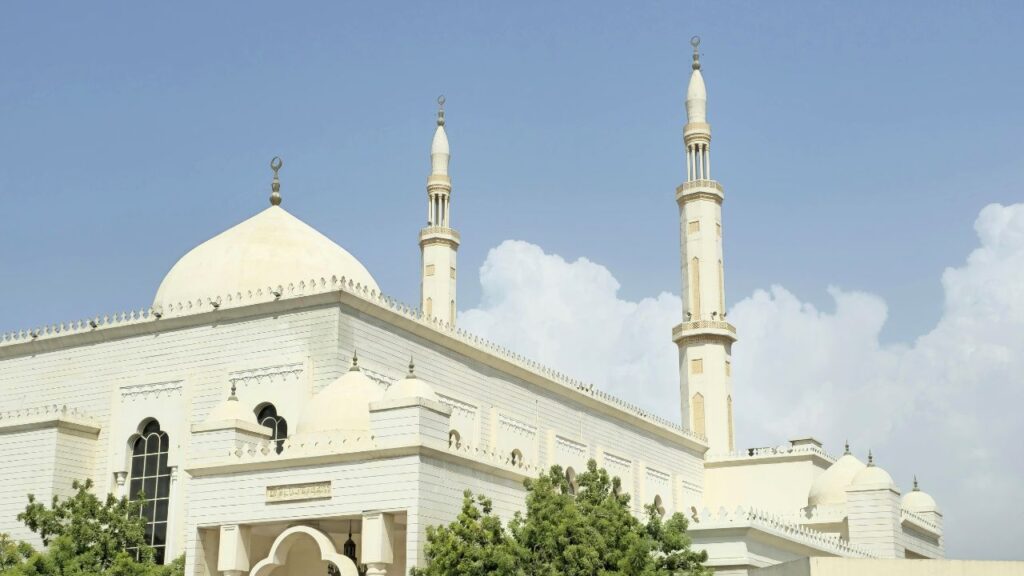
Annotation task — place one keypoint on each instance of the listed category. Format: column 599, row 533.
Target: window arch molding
column 150, row 481
column 267, row 416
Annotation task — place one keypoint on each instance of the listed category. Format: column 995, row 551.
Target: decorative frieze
column 570, row 447
column 305, row 491
column 459, row 408
column 518, row 427
column 151, row 390
column 276, row 374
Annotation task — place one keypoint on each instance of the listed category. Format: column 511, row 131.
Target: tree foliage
column 84, row 536
column 566, row 530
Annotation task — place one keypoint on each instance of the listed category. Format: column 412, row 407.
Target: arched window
column 698, row 414
column 267, row 416
column 454, row 439
column 659, row 506
column 570, row 478
column 452, row 307
column 151, row 482
column 429, row 308
column 517, row 457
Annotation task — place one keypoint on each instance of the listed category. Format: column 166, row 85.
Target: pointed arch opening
column 694, row 288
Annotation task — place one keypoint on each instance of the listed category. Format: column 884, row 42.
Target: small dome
column 696, row 98
column 873, row 476
column 271, row 249
column 411, row 387
column 230, row 410
column 918, row 501
column 343, row 405
column 830, row 487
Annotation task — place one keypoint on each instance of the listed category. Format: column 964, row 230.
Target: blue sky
column 857, row 142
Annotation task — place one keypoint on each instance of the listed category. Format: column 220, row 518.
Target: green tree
column 586, row 529
column 84, row 536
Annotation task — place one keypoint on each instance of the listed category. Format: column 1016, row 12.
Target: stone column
column 378, row 542
column 233, row 554
column 172, row 517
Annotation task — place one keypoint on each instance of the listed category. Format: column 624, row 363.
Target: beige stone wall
column 863, row 567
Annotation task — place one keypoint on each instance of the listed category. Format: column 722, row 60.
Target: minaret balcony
column 700, row 189
column 439, row 234
column 704, row 328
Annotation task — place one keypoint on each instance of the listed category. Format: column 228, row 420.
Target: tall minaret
column 438, row 241
column 704, row 337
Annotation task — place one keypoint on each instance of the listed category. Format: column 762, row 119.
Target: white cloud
column 947, row 406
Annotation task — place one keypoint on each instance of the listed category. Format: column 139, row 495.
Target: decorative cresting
column 772, row 452
column 278, row 373
column 366, row 296
column 704, row 338
column 282, row 545
column 779, row 525
column 50, row 414
column 275, row 186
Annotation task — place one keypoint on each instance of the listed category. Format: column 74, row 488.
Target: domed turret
column 830, row 487
column 230, row 410
column 873, row 476
column 918, row 501
column 343, row 405
column 411, row 387
column 270, row 249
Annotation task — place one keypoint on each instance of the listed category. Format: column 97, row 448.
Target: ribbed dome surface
column 273, row 248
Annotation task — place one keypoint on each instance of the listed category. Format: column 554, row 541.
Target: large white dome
column 273, row 248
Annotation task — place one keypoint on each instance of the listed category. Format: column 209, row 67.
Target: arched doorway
column 313, row 550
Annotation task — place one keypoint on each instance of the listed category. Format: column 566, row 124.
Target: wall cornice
column 316, row 293
column 51, row 416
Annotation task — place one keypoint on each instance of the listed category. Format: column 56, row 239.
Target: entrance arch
column 278, row 555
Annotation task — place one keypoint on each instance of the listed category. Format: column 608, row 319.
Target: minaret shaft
column 439, row 242
column 704, row 337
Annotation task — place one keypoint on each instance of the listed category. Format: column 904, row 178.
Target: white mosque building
column 267, row 406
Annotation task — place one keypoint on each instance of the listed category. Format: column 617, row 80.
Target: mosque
column 267, row 407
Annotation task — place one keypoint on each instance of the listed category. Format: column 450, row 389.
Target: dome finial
column 440, row 110
column 847, row 449
column 695, row 42
column 233, row 397
column 871, row 458
column 355, row 361
column 916, row 489
column 275, row 185
column 412, row 369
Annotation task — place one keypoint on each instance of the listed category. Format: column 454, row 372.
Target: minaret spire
column 704, row 337
column 275, row 184
column 439, row 242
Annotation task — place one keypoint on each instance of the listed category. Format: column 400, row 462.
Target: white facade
column 268, row 407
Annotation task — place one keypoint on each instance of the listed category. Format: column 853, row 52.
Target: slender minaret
column 704, row 337
column 438, row 241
